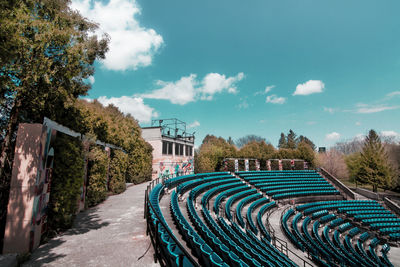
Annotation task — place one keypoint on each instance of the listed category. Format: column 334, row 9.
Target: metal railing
column 151, row 230
column 274, row 238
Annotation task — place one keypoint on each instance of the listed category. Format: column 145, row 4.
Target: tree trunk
column 375, row 188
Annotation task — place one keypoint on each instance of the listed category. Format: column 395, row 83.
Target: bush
column 97, row 176
column 286, row 165
column 66, row 182
column 140, row 163
column 299, row 165
column 118, row 169
column 274, row 165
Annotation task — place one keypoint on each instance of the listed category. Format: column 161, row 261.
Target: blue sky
column 326, row 69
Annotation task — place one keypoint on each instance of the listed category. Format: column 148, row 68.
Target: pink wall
column 23, row 226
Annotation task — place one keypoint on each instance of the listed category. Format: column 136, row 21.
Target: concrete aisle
column 111, row 234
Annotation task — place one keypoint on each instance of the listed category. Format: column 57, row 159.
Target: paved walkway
column 110, row 234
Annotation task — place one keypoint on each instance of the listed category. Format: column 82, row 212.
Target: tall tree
column 282, row 141
column 291, row 140
column 304, row 139
column 49, row 52
column 374, row 166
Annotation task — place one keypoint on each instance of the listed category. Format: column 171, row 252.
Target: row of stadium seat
column 327, row 250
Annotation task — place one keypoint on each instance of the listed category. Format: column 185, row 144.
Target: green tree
column 353, row 165
column 374, row 164
column 291, row 140
column 307, row 141
column 47, row 52
column 282, row 141
column 257, row 150
column 211, row 153
column 305, row 151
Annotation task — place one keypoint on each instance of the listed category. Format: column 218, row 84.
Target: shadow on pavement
column 84, row 222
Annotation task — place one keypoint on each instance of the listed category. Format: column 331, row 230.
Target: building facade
column 173, row 147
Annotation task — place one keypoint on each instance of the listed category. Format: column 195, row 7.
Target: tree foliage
column 118, row 172
column 258, row 150
column 110, row 125
column 97, row 176
column 374, row 167
column 48, row 52
column 247, row 139
column 213, row 150
column 291, row 141
column 66, row 181
column 282, row 141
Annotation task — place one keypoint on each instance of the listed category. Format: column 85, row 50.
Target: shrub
column 299, row 165
column 140, row 163
column 286, row 165
column 118, row 169
column 274, row 165
column 97, row 173
column 66, row 181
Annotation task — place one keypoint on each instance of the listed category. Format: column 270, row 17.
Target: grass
column 364, row 186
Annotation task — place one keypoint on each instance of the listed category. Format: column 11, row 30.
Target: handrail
column 305, row 263
column 148, row 204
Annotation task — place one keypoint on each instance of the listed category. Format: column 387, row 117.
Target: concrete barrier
column 338, row 184
column 367, row 193
column 392, row 205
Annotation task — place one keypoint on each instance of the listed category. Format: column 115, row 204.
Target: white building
column 173, row 147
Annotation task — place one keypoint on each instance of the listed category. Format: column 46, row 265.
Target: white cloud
column 189, row 89
column 216, row 83
column 180, row 92
column 275, row 99
column 393, row 94
column 358, row 123
column 243, row 104
column 309, row 87
column 91, row 79
column 131, row 45
column 269, row 88
column 332, row 136
column 266, row 90
column 131, row 105
column 311, row 122
column 194, row 124
column 366, row 109
column 330, row 110
column 390, row 134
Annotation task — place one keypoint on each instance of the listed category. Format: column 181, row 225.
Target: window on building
column 167, row 148
column 189, row 151
column 178, row 149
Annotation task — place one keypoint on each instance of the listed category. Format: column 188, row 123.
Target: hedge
column 66, row 182
column 118, row 172
column 97, row 176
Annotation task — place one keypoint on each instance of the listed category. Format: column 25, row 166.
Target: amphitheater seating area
column 221, row 219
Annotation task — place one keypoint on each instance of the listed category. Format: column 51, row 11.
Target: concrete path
column 111, row 234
